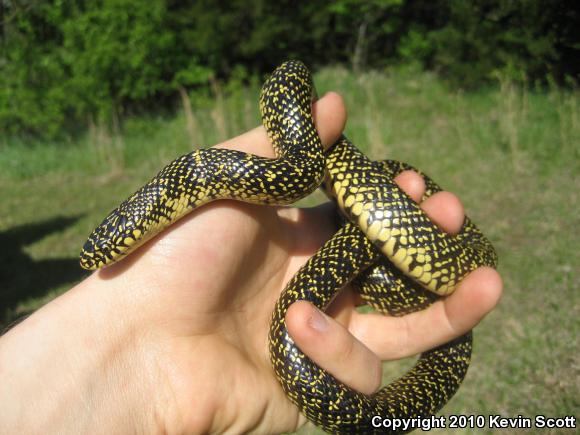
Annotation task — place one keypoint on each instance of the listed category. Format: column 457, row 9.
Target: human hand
column 174, row 337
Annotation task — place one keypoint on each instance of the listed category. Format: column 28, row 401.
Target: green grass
column 511, row 154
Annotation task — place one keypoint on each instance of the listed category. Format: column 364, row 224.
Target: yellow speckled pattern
column 439, row 372
column 397, row 225
column 386, row 246
column 205, row 175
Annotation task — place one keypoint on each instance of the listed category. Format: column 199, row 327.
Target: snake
column 389, row 249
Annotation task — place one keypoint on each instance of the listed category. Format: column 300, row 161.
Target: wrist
column 62, row 367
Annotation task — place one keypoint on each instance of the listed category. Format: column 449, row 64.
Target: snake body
column 386, row 245
column 367, row 260
column 205, row 175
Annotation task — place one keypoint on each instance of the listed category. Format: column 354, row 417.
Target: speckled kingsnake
column 387, row 222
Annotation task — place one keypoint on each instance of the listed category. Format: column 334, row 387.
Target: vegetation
column 66, row 65
column 510, row 152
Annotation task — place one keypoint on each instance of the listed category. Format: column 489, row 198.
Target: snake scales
column 382, row 227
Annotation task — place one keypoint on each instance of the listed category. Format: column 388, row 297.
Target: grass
column 511, row 154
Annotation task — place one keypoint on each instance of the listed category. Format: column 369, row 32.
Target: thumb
column 333, row 348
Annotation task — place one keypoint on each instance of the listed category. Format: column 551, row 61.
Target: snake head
column 109, row 241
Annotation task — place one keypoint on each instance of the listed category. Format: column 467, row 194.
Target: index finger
column 441, row 322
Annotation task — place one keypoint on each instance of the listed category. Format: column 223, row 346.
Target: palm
column 217, row 275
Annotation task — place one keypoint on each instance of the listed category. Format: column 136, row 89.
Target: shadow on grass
column 23, row 278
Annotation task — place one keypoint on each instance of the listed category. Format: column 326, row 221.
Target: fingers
column 354, row 357
column 329, row 114
column 331, row 346
column 446, row 211
column 446, row 319
column 444, row 208
column 329, row 117
column 412, row 183
column 476, row 296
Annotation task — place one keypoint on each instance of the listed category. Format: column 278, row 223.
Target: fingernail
column 317, row 320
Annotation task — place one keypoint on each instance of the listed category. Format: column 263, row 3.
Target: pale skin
column 174, row 338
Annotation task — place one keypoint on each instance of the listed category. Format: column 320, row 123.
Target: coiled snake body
column 384, row 228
